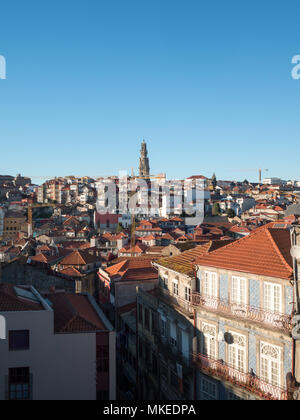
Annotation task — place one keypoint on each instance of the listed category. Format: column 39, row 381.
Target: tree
column 216, row 209
column 119, row 228
column 230, row 213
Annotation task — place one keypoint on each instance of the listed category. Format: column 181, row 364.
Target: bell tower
column 144, row 168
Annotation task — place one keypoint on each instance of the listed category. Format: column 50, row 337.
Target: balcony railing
column 224, row 306
column 247, row 381
column 184, row 304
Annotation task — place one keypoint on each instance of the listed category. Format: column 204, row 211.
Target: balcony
column 276, row 320
column 178, row 302
column 247, row 381
column 169, row 352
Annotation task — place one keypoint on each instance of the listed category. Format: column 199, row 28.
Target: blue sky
column 207, row 83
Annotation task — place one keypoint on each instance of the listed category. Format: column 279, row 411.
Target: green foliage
column 119, row 228
column 216, row 209
column 230, row 213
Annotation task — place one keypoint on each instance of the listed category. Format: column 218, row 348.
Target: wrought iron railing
column 245, row 380
column 241, row 310
column 184, row 304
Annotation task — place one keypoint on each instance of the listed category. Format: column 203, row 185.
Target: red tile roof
column 184, row 262
column 10, row 301
column 74, row 313
column 133, row 269
column 71, row 272
column 266, row 251
column 136, row 249
column 79, row 257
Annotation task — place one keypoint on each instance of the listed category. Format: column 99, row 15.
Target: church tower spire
column 144, row 168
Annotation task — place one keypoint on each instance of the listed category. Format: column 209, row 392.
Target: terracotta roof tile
column 10, row 301
column 133, row 269
column 74, row 313
column 184, row 263
column 266, row 251
column 79, row 257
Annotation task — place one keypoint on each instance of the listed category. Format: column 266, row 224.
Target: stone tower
column 144, row 168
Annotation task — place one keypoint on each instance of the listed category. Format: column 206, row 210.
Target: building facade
column 60, row 347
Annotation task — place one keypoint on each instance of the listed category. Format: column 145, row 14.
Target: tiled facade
column 258, row 325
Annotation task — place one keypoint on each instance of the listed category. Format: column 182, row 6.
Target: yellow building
column 13, row 222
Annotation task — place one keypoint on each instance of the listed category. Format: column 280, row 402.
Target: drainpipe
column 295, row 292
column 295, row 268
column 137, row 346
column 195, row 335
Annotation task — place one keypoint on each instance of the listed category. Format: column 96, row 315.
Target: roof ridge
column 78, row 315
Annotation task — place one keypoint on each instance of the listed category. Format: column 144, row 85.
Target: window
column 78, row 286
column 208, row 390
column 233, row 397
column 237, row 351
column 165, row 281
column 238, row 290
column 272, row 297
column 140, row 313
column 18, row 340
column 175, row 287
column 173, row 334
column 187, row 293
column 210, row 284
column 147, row 319
column 18, row 383
column 163, row 327
column 270, row 357
column 153, row 322
column 209, row 340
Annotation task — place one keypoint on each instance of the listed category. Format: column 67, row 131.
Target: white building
column 273, row 181
column 59, row 348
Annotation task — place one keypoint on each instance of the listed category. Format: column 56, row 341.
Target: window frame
column 210, row 284
column 237, row 299
column 10, row 338
column 272, row 299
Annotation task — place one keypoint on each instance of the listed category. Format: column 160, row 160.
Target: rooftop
column 266, row 251
column 184, row 262
column 74, row 313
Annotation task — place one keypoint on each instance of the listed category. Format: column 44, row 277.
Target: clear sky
column 207, row 84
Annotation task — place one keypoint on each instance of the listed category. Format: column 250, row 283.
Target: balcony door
column 238, row 290
column 210, row 289
column 272, row 297
column 237, row 355
column 270, row 357
column 209, row 341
